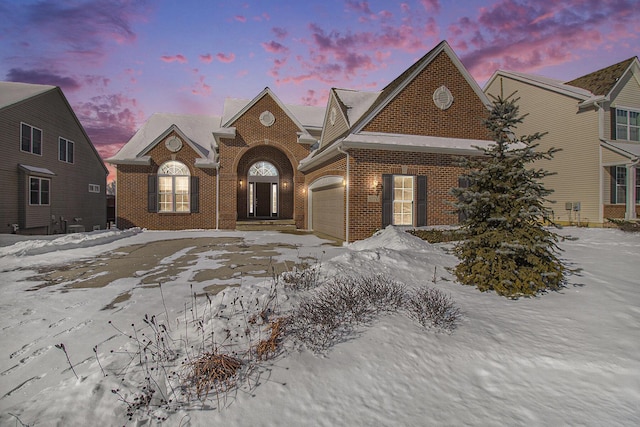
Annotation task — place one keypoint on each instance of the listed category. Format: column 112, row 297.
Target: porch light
column 240, row 183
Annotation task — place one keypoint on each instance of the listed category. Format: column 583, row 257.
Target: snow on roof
column 357, row 102
column 308, row 116
column 12, row 92
column 415, row 142
column 548, row 83
column 198, row 129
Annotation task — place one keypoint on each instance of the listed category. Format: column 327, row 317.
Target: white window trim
column 627, row 109
column 94, row 188
column 39, row 191
column 31, row 139
column 173, row 188
column 413, row 200
column 67, row 142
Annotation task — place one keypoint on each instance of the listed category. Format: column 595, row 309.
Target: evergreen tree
column 509, row 247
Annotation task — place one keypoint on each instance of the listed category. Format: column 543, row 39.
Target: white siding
column 574, row 131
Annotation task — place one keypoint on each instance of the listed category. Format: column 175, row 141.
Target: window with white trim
column 94, row 188
column 637, row 185
column 39, row 191
column 619, row 185
column 403, row 200
column 628, row 124
column 173, row 187
column 65, row 150
column 30, row 139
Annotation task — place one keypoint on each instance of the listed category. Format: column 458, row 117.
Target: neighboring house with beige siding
column 362, row 162
column 53, row 179
column 595, row 121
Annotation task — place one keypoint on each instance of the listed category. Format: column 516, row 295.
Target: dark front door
column 263, row 199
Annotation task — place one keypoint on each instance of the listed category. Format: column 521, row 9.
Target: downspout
column 600, row 168
column 218, row 196
column 631, row 189
column 341, row 150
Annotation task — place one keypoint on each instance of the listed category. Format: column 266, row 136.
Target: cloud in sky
column 207, row 59
column 110, row 120
column 174, row 58
column 526, row 36
column 226, row 58
column 43, row 77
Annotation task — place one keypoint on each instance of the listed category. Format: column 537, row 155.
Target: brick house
column 595, row 120
column 53, row 179
column 366, row 160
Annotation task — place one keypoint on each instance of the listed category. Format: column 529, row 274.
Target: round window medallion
column 173, row 144
column 267, row 118
column 332, row 116
column 442, row 97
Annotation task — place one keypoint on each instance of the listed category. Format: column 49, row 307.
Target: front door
column 263, row 179
column 263, row 199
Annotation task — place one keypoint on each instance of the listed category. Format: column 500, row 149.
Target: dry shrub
column 329, row 315
column 213, row 371
column 268, row 347
column 302, row 278
column 433, row 308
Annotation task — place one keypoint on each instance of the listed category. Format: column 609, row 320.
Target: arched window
column 173, row 187
column 263, row 169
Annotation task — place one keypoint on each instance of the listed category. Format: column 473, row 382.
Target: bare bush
column 330, row 314
column 432, row 308
column 299, row 279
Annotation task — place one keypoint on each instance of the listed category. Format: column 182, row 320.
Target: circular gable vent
column 442, row 97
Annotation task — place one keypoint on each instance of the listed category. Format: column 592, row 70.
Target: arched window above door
column 263, row 169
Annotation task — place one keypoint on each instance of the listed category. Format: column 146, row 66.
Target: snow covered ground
column 566, row 358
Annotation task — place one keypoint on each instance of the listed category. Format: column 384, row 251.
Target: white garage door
column 327, row 210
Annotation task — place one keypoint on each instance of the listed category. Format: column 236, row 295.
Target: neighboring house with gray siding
column 595, row 120
column 53, row 179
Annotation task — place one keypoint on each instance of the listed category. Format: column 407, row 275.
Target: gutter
column 341, row 150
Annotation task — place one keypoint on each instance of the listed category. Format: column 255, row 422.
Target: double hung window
column 30, row 139
column 628, row 124
column 65, row 150
column 39, row 189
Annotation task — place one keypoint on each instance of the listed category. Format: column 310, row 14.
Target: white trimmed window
column 94, row 188
column 403, row 200
column 30, row 139
column 628, row 124
column 173, row 187
column 39, row 189
column 65, row 150
column 637, row 185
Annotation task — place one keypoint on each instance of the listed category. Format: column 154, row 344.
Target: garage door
column 327, row 210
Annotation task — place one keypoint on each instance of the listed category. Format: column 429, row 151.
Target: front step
column 266, row 225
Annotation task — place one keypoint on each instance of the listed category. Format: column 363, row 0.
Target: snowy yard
column 566, row 358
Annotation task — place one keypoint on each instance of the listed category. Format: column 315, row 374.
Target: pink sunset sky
column 119, row 61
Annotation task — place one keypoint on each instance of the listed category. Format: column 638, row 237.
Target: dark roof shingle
column 602, row 81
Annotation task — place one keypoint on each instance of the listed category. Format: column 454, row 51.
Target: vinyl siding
column 574, row 131
column 627, row 95
column 70, row 197
column 331, row 132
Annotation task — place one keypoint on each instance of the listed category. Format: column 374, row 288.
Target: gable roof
column 12, row 92
column 360, row 108
column 593, row 87
column 602, row 82
column 196, row 131
column 403, row 80
column 305, row 117
column 554, row 85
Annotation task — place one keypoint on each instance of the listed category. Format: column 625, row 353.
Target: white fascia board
column 206, row 164
column 629, row 152
column 305, row 138
column 229, row 132
column 143, row 160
